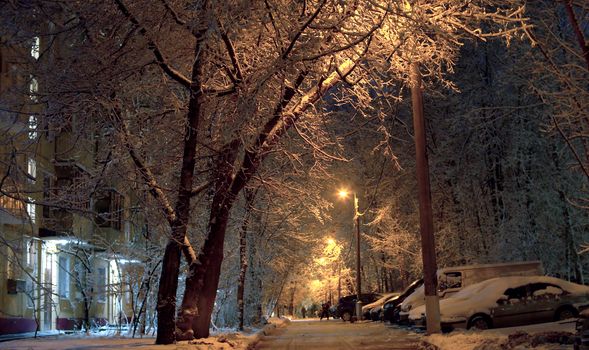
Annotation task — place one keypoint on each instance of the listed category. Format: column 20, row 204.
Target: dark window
column 109, row 210
column 46, row 195
column 518, row 293
column 450, row 280
column 70, row 186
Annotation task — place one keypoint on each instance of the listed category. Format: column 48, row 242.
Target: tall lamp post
column 428, row 247
column 344, row 194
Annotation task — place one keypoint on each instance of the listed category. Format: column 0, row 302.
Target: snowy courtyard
column 180, row 172
column 321, row 335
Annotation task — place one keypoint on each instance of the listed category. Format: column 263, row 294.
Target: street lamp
column 344, row 194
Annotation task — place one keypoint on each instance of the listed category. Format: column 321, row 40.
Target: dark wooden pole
column 358, row 264
column 428, row 248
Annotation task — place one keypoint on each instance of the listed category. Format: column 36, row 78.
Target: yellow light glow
column 330, row 241
column 343, row 193
column 316, row 286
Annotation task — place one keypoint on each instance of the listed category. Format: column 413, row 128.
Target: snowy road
column 338, row 335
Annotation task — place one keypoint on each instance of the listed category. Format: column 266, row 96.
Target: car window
column 411, row 288
column 515, row 295
column 450, row 280
column 545, row 291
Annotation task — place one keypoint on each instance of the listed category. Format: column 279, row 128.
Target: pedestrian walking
column 325, row 310
column 303, row 311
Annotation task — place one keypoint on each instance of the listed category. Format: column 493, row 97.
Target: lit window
column 10, row 268
column 32, row 127
column 30, row 254
column 32, row 168
column 31, row 210
column 13, row 205
column 35, row 47
column 33, row 89
column 63, row 288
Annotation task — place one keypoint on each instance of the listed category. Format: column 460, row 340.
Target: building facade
column 64, row 235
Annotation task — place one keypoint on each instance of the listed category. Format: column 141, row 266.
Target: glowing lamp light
column 343, row 193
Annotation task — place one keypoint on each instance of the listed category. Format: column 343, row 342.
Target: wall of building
column 59, row 255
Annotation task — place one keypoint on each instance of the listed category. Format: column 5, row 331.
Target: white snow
column 494, row 338
column 550, row 290
column 483, row 296
column 223, row 340
column 380, row 301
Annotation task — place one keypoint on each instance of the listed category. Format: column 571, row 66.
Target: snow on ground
column 516, row 338
column 220, row 340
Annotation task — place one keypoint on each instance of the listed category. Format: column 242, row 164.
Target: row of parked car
column 473, row 297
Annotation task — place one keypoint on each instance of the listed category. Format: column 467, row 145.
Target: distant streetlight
column 343, row 193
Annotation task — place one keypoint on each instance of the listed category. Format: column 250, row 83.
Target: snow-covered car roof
column 483, row 296
column 380, row 301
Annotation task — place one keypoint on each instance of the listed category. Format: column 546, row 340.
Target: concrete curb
column 28, row 335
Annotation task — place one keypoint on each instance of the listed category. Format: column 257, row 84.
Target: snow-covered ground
column 505, row 338
column 222, row 340
column 312, row 334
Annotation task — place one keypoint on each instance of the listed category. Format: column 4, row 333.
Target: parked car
column 367, row 309
column 347, row 305
column 391, row 308
column 376, row 312
column 453, row 279
column 508, row 302
column 582, row 326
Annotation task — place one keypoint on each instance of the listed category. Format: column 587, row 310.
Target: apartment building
column 62, row 233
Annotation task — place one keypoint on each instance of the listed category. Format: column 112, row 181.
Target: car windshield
column 412, row 287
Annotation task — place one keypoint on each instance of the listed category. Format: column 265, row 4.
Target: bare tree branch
column 152, row 46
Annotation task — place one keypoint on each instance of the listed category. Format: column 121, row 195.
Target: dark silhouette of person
column 303, row 311
column 325, row 310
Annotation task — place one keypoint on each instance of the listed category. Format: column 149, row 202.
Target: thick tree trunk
column 242, row 273
column 210, row 268
column 254, row 295
column 243, row 259
column 171, row 263
column 86, row 313
column 166, row 296
column 199, row 297
column 291, row 300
